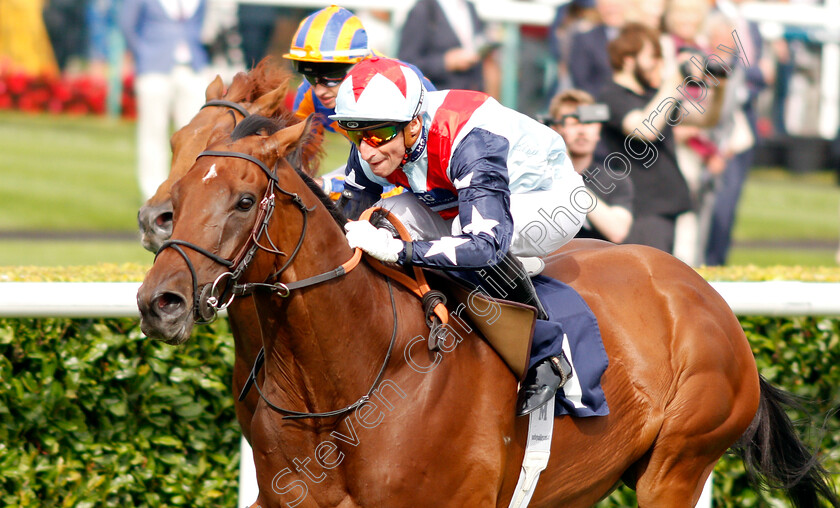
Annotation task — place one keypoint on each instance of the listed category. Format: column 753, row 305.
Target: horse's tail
column 776, row 458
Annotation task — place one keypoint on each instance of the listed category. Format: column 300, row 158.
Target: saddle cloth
column 572, row 329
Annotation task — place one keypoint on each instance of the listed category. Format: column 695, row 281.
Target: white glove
column 377, row 242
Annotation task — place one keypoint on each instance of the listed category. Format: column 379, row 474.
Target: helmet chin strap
column 409, row 142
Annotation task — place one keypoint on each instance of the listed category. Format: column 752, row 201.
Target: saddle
column 507, row 326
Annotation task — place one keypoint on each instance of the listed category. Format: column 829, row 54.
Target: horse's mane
column 256, row 124
column 268, row 75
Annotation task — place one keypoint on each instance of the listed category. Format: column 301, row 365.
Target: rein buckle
column 282, row 289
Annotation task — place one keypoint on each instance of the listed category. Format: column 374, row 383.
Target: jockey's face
column 386, row 158
column 325, row 94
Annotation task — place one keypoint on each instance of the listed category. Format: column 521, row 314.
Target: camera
column 714, row 67
column 585, row 113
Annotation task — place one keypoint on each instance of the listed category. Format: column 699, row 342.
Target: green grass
column 780, row 205
column 67, row 173
column 70, row 253
column 63, row 173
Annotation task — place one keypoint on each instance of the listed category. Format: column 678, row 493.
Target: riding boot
column 542, row 382
column 510, row 275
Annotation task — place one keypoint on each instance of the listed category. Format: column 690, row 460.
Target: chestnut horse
column 356, row 411
column 261, row 91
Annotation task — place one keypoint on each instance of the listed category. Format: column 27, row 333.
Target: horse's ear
column 269, row 103
column 215, row 89
column 285, row 140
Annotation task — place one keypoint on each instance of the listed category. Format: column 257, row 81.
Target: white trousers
column 161, row 99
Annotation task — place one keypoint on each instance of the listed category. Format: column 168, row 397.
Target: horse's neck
column 325, row 344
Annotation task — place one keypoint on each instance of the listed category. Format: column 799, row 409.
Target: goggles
column 376, row 134
column 331, row 80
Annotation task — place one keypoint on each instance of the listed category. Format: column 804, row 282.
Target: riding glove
column 377, row 242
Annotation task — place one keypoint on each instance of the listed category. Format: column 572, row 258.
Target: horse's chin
column 174, row 334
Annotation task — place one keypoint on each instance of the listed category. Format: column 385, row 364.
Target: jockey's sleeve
column 478, row 170
column 306, row 103
column 303, row 104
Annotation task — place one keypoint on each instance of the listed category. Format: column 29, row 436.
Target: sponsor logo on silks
column 438, row 199
column 421, row 147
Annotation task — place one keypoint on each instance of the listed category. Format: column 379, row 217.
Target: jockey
column 327, row 44
column 500, row 182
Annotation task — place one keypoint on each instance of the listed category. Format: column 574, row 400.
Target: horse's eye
column 245, row 203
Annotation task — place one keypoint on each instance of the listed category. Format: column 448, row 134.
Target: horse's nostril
column 169, row 303
column 163, row 219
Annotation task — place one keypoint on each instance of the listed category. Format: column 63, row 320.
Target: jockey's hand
column 377, row 242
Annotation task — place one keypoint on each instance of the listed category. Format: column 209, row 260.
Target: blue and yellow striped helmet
column 332, row 34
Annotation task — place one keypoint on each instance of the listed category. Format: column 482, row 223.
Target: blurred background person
column 222, row 40
column 589, row 65
column 756, row 77
column 256, row 27
column 448, row 42
column 647, row 12
column 698, row 156
column 164, row 37
column 569, row 19
column 576, row 117
column 380, row 31
column 636, row 91
column 67, row 26
column 536, row 70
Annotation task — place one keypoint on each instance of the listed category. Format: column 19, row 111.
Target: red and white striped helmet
column 380, row 89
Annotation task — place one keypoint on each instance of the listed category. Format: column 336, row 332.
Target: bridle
column 228, row 104
column 211, row 298
column 237, row 265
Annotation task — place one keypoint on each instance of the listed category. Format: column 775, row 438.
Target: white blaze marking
column 210, row 174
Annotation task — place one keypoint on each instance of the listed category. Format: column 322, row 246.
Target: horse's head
column 222, row 207
column 262, row 91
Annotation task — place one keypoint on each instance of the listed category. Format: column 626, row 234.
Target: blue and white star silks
column 446, row 246
column 462, row 183
column 476, row 152
column 479, row 224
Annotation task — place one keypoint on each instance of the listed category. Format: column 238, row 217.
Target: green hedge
column 94, row 414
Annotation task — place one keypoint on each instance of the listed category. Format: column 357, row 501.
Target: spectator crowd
column 656, row 99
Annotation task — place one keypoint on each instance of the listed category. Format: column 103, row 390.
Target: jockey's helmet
column 378, row 90
column 332, row 35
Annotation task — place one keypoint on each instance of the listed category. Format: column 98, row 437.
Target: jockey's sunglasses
column 375, row 134
column 330, row 80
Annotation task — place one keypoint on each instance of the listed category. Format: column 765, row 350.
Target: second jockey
column 488, row 186
column 326, row 45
